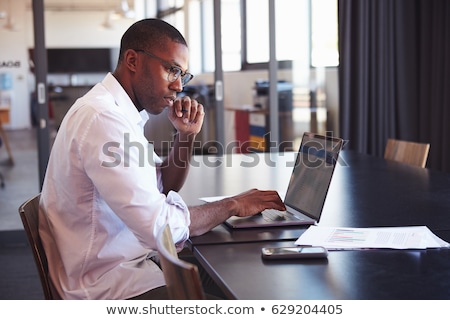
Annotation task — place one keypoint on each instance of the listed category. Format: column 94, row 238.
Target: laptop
column 308, row 186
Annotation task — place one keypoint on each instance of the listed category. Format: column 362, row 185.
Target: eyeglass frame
column 185, row 76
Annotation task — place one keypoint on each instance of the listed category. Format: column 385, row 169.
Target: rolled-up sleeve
column 179, row 223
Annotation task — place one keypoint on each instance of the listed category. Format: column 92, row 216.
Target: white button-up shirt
column 101, row 202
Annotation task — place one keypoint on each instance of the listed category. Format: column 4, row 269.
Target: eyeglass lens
column 176, row 72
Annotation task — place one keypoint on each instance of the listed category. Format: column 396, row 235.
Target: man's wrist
column 186, row 137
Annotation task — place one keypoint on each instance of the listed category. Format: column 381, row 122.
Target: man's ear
column 130, row 59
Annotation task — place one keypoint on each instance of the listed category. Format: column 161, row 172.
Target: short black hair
column 147, row 34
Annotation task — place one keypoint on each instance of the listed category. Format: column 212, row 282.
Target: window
column 201, row 35
column 231, row 35
column 172, row 12
column 291, row 28
column 324, row 33
column 306, row 31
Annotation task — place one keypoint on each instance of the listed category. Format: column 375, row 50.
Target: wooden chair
column 182, row 278
column 413, row 153
column 29, row 213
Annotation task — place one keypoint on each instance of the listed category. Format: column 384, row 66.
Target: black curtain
column 394, row 75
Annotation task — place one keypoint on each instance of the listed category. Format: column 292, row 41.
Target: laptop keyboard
column 277, row 215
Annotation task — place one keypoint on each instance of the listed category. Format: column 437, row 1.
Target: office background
column 395, row 88
column 84, row 29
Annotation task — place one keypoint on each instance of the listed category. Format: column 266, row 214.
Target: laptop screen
column 310, row 180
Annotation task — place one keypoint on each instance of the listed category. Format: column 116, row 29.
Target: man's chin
column 156, row 112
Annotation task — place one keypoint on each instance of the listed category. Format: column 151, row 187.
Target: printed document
column 417, row 237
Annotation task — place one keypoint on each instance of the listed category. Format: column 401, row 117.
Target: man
column 106, row 194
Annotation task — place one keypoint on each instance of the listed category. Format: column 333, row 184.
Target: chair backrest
column 413, row 153
column 29, row 213
column 182, row 278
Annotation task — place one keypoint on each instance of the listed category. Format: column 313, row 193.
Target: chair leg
column 6, row 142
column 2, row 181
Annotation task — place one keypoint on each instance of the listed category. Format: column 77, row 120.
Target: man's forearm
column 176, row 166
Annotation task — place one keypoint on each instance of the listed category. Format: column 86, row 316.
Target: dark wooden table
column 365, row 191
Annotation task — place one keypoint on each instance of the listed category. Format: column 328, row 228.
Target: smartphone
column 294, row 253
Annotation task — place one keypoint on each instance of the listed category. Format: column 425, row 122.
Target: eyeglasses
column 174, row 72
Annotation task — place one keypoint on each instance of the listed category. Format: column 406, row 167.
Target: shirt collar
column 123, row 100
column 144, row 117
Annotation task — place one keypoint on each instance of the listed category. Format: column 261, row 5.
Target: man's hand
column 254, row 201
column 207, row 216
column 187, row 115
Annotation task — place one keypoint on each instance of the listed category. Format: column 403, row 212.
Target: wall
column 63, row 29
column 14, row 60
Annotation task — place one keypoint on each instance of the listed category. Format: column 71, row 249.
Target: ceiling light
column 9, row 25
column 107, row 23
column 125, row 10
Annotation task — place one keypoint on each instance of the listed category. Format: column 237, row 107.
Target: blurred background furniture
column 413, row 153
column 4, row 118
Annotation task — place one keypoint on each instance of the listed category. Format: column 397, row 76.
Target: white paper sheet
column 419, row 237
